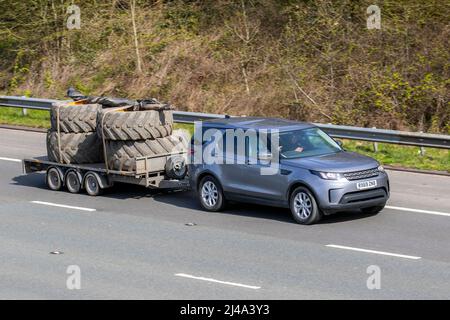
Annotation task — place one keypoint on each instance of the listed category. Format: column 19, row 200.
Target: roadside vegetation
column 304, row 60
column 403, row 156
column 33, row 118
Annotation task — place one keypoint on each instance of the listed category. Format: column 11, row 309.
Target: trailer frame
column 150, row 172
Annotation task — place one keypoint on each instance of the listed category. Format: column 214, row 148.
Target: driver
column 291, row 142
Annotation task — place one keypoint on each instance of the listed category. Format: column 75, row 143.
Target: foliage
column 305, row 60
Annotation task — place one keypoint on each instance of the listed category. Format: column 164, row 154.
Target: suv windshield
column 306, row 143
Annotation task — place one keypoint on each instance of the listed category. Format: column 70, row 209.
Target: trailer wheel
column 53, row 179
column 92, row 185
column 73, row 182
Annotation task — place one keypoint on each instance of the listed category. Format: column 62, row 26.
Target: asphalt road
column 136, row 244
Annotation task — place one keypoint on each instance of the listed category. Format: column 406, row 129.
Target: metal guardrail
column 336, row 131
column 27, row 103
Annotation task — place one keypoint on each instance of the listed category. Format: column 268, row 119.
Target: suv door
column 231, row 170
column 256, row 185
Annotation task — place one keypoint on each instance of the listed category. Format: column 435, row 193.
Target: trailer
column 94, row 178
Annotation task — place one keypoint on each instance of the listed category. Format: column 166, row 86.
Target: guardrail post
column 422, row 149
column 375, row 144
column 24, row 111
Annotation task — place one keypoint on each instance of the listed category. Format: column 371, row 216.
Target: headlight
column 329, row 175
column 380, row 168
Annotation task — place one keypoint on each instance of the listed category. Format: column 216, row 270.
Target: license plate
column 366, row 184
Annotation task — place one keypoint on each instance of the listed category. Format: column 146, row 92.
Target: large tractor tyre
column 184, row 136
column 125, row 125
column 76, row 148
column 81, row 118
column 121, row 154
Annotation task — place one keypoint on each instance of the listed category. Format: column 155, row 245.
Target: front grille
column 364, row 174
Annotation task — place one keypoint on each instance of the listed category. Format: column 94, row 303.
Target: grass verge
column 403, row 156
column 33, row 118
column 388, row 154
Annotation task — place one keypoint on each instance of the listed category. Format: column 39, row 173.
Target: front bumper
column 345, row 196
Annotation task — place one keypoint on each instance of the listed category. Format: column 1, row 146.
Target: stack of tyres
column 129, row 134
column 72, row 138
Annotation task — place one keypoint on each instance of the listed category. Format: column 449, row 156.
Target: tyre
column 121, row 154
column 372, row 210
column 80, row 118
column 176, row 167
column 210, row 194
column 53, row 179
column 73, row 182
column 135, row 125
column 304, row 207
column 76, row 148
column 92, row 185
column 184, row 136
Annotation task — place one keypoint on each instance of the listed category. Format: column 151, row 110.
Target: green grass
column 185, row 126
column 388, row 154
column 403, row 156
column 34, row 118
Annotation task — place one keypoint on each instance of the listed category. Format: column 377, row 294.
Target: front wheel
column 210, row 194
column 304, row 207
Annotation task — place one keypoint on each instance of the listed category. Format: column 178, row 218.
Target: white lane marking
column 419, row 211
column 373, row 251
column 10, row 159
column 63, row 206
column 217, row 281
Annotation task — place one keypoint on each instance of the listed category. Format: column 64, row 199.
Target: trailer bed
column 150, row 171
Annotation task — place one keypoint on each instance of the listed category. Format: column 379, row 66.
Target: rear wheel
column 73, row 182
column 372, row 210
column 53, row 179
column 304, row 207
column 92, row 185
column 210, row 194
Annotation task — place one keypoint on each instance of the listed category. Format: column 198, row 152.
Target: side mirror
column 265, row 156
column 340, row 143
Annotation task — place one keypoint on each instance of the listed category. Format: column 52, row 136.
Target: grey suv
column 315, row 176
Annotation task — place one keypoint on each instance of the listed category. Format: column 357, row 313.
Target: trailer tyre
column 73, row 182
column 53, row 179
column 121, row 154
column 92, row 185
column 135, row 125
column 176, row 167
column 76, row 148
column 80, row 118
